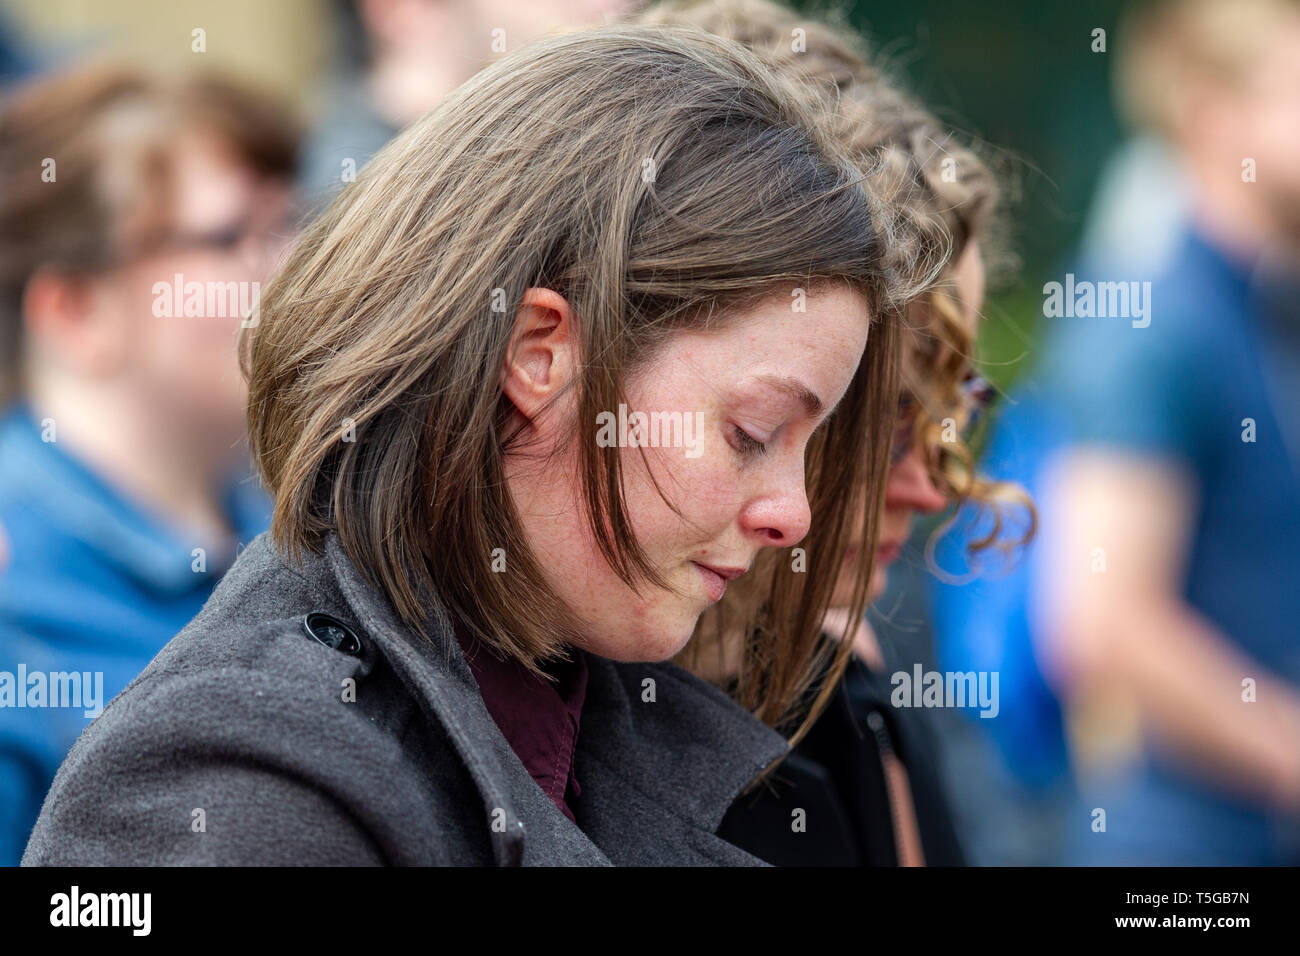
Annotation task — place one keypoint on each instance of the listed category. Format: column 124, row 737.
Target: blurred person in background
column 1168, row 606
column 1161, row 603
column 400, row 57
column 866, row 774
column 125, row 487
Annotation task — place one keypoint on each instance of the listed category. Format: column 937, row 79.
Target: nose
column 910, row 487
column 780, row 516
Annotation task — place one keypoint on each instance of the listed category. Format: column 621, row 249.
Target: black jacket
column 835, row 775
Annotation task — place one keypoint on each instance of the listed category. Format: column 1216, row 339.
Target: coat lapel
column 437, row 676
column 662, row 756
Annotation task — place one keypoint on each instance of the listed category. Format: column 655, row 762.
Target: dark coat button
column 333, row 633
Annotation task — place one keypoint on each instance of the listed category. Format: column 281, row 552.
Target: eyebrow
column 813, row 406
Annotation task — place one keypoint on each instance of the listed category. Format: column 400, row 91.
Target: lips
column 716, row 578
column 889, row 551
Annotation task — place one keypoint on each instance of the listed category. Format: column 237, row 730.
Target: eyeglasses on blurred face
column 976, row 393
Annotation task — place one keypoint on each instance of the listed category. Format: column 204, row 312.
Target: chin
column 654, row 641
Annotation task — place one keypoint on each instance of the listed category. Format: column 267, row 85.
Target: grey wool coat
column 237, row 746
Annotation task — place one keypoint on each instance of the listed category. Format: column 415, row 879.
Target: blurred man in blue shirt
column 1165, row 586
column 1166, row 602
column 1161, row 600
column 139, row 219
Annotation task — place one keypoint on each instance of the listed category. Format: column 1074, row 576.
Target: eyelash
column 749, row 445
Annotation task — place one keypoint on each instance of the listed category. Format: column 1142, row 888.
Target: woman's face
column 909, row 489
column 749, row 396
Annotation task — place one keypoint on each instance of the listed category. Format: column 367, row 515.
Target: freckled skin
column 733, row 501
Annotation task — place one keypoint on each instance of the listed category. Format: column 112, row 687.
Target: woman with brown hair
column 864, row 774
column 573, row 349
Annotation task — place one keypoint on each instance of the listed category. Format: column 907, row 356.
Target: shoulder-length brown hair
column 658, row 179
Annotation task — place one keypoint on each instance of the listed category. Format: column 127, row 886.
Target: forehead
column 211, row 183
column 796, row 346
column 795, row 324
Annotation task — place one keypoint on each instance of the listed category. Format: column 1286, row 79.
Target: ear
column 542, row 357
column 59, row 318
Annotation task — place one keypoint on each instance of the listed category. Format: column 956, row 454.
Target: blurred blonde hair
column 1166, row 48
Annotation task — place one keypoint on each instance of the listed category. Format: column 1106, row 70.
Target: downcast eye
column 746, row 443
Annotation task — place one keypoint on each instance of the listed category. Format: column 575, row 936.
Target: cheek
column 693, row 466
column 879, row 582
column 661, row 530
column 704, row 490
column 195, row 356
column 894, row 521
column 1279, row 136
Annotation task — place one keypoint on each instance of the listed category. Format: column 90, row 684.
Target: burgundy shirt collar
column 539, row 719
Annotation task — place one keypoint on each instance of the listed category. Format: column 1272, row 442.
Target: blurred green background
column 1020, row 75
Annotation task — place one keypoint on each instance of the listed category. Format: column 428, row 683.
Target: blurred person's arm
column 1123, row 633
